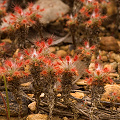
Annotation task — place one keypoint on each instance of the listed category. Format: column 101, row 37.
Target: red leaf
column 89, row 81
column 68, row 58
column 110, row 80
column 106, row 70
column 92, row 47
column 8, row 63
column 38, row 16
column 50, row 40
column 4, row 20
column 61, row 59
column 82, row 0
column 37, row 7
column 26, row 52
column 75, row 58
column 41, row 10
column 2, row 44
column 96, row 10
column 88, row 71
column 40, row 50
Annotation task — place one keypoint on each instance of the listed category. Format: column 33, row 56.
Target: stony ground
column 109, row 52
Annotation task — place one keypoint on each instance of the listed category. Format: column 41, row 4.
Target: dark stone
column 14, row 107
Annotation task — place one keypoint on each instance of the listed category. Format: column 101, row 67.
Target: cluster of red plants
column 91, row 13
column 71, row 19
column 100, row 76
column 91, row 10
column 21, row 18
column 51, row 68
column 50, row 61
column 67, row 65
column 12, row 68
column 42, row 63
column 46, row 64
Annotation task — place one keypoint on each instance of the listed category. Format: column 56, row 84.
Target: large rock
column 109, row 44
column 53, row 10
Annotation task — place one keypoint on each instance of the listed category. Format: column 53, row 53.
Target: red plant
column 41, row 53
column 12, row 68
column 87, row 50
column 90, row 13
column 43, row 47
column 71, row 19
column 32, row 55
column 21, row 18
column 67, row 65
column 100, row 76
column 2, row 8
column 49, row 67
column 92, row 10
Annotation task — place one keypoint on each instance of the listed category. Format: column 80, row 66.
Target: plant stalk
column 7, row 98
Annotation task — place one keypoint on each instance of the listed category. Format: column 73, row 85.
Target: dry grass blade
column 81, row 66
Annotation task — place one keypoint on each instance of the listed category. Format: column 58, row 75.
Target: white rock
column 42, row 95
column 81, row 82
column 103, row 53
column 111, row 55
column 104, row 58
column 37, row 117
column 114, row 65
column 114, row 75
column 117, row 58
column 26, row 84
column 92, row 66
column 32, row 106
